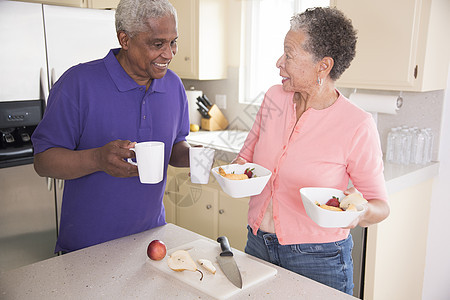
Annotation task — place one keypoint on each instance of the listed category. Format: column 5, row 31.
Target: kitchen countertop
column 225, row 140
column 228, row 143
column 120, row 269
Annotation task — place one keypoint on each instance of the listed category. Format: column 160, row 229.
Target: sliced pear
column 355, row 199
column 351, row 207
column 208, row 265
column 333, row 208
column 180, row 260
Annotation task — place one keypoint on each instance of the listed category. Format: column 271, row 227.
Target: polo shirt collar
column 123, row 81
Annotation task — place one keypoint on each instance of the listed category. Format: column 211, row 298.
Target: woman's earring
column 320, row 81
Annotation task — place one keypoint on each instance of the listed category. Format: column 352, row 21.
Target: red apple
column 156, row 250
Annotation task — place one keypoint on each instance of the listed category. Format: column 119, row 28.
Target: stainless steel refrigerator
column 42, row 42
column 359, row 255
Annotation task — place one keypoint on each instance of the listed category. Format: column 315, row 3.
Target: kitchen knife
column 206, row 100
column 201, row 100
column 227, row 263
column 201, row 105
column 203, row 110
column 203, row 113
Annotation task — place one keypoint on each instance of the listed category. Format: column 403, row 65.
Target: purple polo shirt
column 91, row 105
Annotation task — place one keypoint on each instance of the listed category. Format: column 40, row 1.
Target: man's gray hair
column 132, row 15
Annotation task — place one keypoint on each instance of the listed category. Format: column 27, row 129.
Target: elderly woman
column 309, row 135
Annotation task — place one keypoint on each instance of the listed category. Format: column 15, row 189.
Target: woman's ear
column 325, row 65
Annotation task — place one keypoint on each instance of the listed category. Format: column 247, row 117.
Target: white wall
column 436, row 284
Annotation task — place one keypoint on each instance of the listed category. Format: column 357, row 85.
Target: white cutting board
column 217, row 285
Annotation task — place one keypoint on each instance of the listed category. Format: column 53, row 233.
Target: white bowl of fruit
column 240, row 181
column 329, row 207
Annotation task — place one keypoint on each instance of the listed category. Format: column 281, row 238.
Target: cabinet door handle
column 208, row 206
column 221, row 211
column 187, row 58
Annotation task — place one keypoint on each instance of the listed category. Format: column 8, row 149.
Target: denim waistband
column 262, row 234
column 272, row 237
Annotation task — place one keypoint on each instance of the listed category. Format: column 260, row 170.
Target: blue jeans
column 327, row 263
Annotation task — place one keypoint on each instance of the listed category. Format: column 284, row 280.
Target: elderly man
column 94, row 112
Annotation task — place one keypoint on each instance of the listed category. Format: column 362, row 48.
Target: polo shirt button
column 145, row 117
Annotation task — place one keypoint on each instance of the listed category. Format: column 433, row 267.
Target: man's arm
column 180, row 155
column 63, row 163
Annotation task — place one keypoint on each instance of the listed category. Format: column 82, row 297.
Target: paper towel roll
column 194, row 115
column 377, row 103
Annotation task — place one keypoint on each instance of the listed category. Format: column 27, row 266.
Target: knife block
column 217, row 120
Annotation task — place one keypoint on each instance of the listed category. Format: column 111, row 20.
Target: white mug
column 200, row 161
column 150, row 161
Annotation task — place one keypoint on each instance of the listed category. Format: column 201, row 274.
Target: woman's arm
column 376, row 210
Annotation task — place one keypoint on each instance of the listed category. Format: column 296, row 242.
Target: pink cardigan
column 326, row 148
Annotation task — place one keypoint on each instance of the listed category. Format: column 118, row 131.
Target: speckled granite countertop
column 120, row 269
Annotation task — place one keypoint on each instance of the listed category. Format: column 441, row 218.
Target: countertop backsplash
column 419, row 109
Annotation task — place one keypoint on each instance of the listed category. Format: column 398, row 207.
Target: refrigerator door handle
column 52, row 77
column 60, row 183
column 44, row 88
column 49, row 183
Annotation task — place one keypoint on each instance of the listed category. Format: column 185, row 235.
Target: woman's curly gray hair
column 330, row 34
column 132, row 15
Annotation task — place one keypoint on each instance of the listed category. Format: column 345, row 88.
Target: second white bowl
column 324, row 217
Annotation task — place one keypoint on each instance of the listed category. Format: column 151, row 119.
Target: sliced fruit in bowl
column 234, row 179
column 329, row 207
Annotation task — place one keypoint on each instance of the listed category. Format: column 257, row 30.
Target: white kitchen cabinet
column 402, row 45
column 197, row 207
column 205, row 209
column 396, row 247
column 201, row 39
column 102, row 4
column 72, row 3
column 233, row 219
column 169, row 198
column 99, row 4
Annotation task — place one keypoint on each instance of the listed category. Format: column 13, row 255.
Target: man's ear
column 123, row 38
